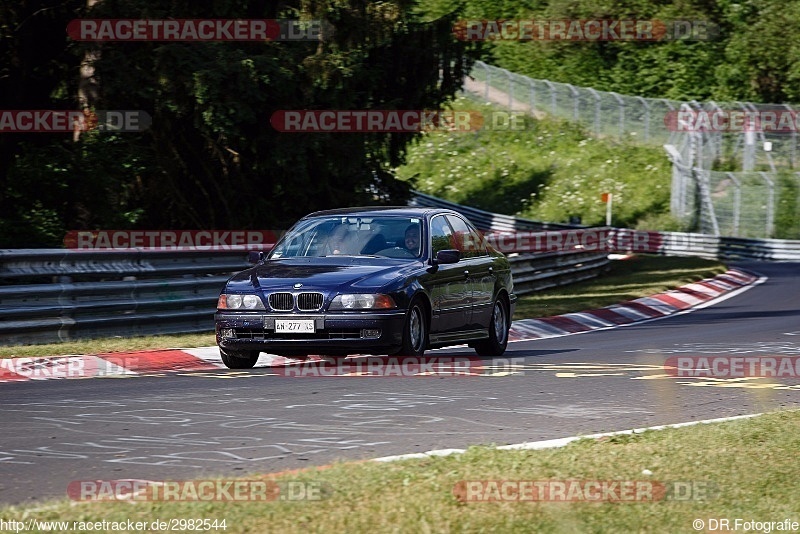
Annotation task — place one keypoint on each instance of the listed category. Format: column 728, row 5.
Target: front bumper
column 335, row 333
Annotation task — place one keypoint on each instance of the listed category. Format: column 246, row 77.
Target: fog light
column 370, row 333
column 227, row 332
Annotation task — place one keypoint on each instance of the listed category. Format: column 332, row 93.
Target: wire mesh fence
column 729, row 178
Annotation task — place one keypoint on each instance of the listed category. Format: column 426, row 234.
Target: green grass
column 547, row 170
column 629, row 279
column 748, row 466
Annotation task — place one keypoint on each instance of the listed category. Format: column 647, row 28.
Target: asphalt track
column 233, row 423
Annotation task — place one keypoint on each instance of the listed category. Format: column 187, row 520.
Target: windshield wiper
column 351, row 256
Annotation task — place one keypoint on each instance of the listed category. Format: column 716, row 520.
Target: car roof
column 374, row 211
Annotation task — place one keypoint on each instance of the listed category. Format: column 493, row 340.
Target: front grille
column 281, row 301
column 309, row 301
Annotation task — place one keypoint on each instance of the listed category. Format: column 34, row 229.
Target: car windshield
column 352, row 235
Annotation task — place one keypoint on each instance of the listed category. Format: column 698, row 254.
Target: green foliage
column 750, row 57
column 548, row 170
column 211, row 158
column 787, row 213
column 661, row 221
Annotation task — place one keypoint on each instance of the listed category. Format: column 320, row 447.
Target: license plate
column 294, row 326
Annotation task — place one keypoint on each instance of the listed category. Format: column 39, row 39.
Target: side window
column 441, row 235
column 467, row 239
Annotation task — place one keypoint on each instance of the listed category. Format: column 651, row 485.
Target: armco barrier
column 58, row 295
column 733, row 248
column 534, row 272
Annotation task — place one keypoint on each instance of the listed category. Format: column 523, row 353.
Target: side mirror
column 254, row 256
column 447, row 256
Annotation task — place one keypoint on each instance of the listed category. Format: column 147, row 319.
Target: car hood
column 329, row 273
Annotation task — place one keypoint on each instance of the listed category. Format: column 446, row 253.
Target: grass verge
column 544, row 169
column 629, row 279
column 742, row 469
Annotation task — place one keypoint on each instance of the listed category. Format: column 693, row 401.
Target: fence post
column 715, row 138
column 553, row 108
column 749, row 154
column 509, row 75
column 671, row 108
column 770, row 204
column 532, row 95
column 794, row 136
column 621, row 113
column 737, row 202
column 646, row 117
column 597, row 110
column 488, row 81
column 575, row 102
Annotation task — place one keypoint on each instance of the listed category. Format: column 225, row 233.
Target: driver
column 411, row 241
column 339, row 241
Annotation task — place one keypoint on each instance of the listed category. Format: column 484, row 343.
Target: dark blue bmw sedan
column 368, row 281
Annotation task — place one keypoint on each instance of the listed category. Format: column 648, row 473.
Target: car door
column 448, row 286
column 479, row 264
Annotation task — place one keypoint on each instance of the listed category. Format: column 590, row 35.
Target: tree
column 211, row 159
column 217, row 160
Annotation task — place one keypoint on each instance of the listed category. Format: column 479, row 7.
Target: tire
column 415, row 330
column 498, row 331
column 239, row 359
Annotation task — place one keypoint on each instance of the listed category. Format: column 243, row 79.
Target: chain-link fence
column 601, row 112
column 727, row 180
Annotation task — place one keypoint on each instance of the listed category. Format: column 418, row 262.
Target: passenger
column 411, row 241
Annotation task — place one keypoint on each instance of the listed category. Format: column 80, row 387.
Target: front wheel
column 498, row 331
column 239, row 359
column 415, row 331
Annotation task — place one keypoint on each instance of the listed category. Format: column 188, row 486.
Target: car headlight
column 362, row 301
column 239, row 302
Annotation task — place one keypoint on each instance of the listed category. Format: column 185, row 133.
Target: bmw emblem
column 298, row 286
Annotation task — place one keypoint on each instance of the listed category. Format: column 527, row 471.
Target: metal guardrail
column 733, row 248
column 59, row 295
column 717, row 247
column 534, row 272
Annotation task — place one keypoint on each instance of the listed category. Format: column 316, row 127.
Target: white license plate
column 294, row 326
